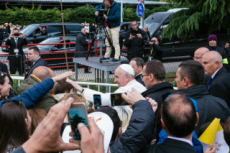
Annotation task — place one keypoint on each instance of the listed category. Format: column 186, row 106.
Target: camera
column 148, row 46
column 16, row 34
column 100, row 18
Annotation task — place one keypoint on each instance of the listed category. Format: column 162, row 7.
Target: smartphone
column 97, row 101
column 117, row 100
column 77, row 114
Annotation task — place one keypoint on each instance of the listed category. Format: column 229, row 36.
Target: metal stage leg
column 76, row 71
column 98, row 75
column 107, row 80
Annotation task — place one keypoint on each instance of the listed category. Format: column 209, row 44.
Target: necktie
column 209, row 83
column 16, row 41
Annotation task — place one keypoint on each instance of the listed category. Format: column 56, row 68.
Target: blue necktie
column 209, row 83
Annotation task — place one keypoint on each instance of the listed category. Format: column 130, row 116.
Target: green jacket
column 46, row 102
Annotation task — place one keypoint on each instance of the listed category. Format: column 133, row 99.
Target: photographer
column 16, row 55
column 112, row 18
column 156, row 51
column 134, row 41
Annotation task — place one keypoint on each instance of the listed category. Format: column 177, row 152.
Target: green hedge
column 25, row 16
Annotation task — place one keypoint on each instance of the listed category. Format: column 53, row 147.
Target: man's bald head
column 198, row 54
column 211, row 61
column 43, row 72
column 179, row 116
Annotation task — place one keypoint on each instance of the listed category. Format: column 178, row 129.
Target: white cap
column 105, row 124
column 127, row 68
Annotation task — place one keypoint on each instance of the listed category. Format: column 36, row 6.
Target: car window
column 28, row 30
column 73, row 28
column 55, row 29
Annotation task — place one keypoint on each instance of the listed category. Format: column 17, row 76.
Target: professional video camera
column 148, row 46
column 100, row 18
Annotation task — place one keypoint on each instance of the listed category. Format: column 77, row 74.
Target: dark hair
column 139, row 61
column 2, row 77
column 134, row 21
column 12, row 124
column 36, row 50
column 179, row 115
column 156, row 68
column 62, row 87
column 193, row 70
column 15, row 29
column 112, row 113
column 227, row 131
column 37, row 115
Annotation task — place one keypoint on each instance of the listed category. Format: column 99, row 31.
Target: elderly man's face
column 120, row 77
column 198, row 56
column 209, row 65
column 212, row 43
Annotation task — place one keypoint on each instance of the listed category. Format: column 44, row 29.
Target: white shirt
column 87, row 29
column 105, row 97
column 181, row 139
column 215, row 73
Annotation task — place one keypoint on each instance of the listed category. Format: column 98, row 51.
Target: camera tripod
column 101, row 28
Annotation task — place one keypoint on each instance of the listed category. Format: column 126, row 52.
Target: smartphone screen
column 77, row 115
column 97, row 101
column 116, row 100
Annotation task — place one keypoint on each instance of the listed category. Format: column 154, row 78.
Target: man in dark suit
column 153, row 75
column 137, row 63
column 16, row 54
column 189, row 79
column 219, row 84
column 36, row 60
column 81, row 47
column 179, row 119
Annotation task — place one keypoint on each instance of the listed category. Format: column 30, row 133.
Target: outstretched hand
column 46, row 137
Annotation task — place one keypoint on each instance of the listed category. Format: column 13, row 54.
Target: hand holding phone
column 77, row 114
column 97, row 101
column 117, row 100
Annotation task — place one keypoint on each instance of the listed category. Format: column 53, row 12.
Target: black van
column 178, row 48
column 31, row 32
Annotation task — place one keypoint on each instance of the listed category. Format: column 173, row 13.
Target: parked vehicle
column 32, row 35
column 178, row 48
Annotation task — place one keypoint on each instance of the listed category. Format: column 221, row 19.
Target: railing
column 19, row 78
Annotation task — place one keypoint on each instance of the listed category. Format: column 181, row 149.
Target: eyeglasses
column 197, row 58
column 142, row 76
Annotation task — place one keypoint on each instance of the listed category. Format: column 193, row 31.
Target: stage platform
column 94, row 62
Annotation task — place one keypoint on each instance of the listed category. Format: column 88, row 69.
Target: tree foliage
column 25, row 16
column 202, row 16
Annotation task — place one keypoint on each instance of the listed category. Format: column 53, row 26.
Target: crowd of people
column 159, row 118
